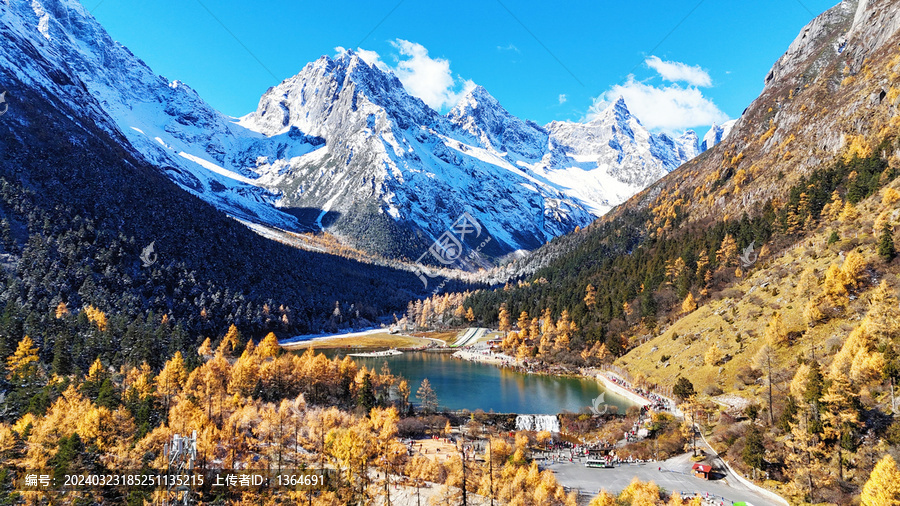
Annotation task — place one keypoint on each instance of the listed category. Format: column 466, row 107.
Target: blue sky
column 680, row 64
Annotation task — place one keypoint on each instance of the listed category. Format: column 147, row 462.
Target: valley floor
column 371, row 338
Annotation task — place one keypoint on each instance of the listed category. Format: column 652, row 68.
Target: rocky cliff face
column 834, row 86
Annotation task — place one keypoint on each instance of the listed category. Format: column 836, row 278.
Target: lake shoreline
column 484, row 384
column 604, row 378
column 477, row 353
column 369, row 339
column 503, row 361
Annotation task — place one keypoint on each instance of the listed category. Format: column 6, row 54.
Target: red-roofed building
column 702, row 470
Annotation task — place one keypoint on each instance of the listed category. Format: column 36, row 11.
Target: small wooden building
column 702, row 471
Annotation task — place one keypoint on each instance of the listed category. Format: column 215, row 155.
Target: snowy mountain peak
column 472, row 100
column 680, row 149
column 330, row 87
column 716, row 134
column 614, row 146
column 480, row 115
column 617, row 111
column 479, row 94
column 689, row 137
column 620, row 106
column 617, row 119
column 690, row 143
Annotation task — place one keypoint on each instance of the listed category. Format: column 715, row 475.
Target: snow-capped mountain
column 490, row 125
column 166, row 122
column 342, row 146
column 615, row 156
column 394, row 169
column 715, row 134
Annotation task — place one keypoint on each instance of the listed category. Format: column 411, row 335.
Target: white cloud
column 562, row 98
column 674, row 107
column 679, row 72
column 428, row 78
column 370, row 57
column 509, row 47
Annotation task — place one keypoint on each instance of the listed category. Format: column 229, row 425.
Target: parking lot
column 672, row 475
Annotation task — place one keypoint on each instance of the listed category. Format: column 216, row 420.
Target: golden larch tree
column 523, row 324
column 96, row 317
column 834, row 287
column 97, row 372
column 726, row 256
column 776, row 333
column 832, row 210
column 205, row 349
column 590, row 297
column 244, row 374
column 690, row 304
column 713, row 354
column 890, row 197
column 24, row 359
column 503, row 317
column 849, row 213
column 268, row 347
column 853, row 269
column 230, row 342
column 638, row 493
column 173, row 375
column 883, row 486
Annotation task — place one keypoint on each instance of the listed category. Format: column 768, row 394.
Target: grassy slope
column 746, row 307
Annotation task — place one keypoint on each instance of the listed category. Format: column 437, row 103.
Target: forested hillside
column 77, row 211
column 759, row 277
column 827, row 121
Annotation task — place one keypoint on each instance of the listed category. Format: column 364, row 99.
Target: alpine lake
column 461, row 384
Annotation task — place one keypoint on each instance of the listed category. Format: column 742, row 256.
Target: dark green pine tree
column 683, row 388
column 754, row 454
column 68, row 451
column 815, row 390
column 107, row 395
column 886, row 248
column 366, row 395
column 62, row 355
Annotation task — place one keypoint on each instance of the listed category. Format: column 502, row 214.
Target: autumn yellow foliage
column 690, row 304
column 857, row 147
column 96, row 317
column 883, row 486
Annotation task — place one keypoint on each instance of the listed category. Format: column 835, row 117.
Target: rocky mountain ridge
column 342, row 147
